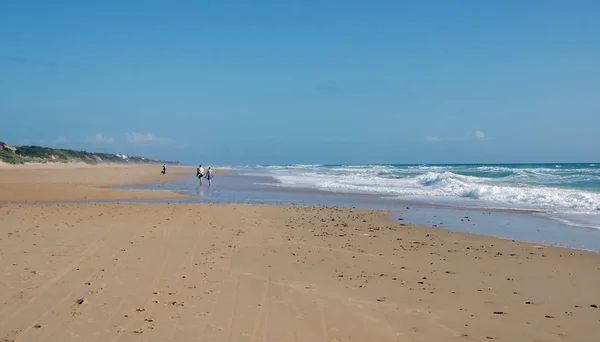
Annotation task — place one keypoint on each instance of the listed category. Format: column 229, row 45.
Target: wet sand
column 221, row 272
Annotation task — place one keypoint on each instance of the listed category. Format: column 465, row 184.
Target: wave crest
column 450, row 184
column 446, row 185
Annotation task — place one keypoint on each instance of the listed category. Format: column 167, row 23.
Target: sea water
column 567, row 192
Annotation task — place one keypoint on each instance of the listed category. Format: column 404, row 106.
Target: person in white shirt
column 200, row 173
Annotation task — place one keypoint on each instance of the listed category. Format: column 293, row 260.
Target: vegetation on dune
column 37, row 154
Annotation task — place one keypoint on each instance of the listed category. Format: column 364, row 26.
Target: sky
column 282, row 82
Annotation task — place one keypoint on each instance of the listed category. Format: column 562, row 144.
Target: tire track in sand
column 89, row 251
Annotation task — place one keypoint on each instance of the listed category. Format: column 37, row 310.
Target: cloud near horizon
column 143, row 138
column 100, row 138
column 478, row 135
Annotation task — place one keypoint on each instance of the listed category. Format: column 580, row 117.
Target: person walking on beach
column 209, row 175
column 200, row 173
column 164, row 169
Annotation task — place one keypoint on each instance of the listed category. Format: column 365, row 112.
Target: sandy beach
column 207, row 272
column 74, row 182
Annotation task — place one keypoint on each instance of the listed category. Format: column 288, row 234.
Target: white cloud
column 139, row 137
column 60, row 140
column 143, row 138
column 478, row 135
column 100, row 138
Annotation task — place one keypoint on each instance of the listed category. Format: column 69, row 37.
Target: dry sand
column 166, row 272
column 72, row 182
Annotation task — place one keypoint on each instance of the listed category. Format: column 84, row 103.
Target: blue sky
column 238, row 82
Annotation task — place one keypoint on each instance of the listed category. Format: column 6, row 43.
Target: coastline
column 159, row 271
column 512, row 224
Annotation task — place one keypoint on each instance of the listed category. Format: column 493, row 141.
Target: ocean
column 570, row 192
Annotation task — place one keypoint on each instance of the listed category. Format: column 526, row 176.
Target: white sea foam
column 520, row 189
column 449, row 184
column 576, row 219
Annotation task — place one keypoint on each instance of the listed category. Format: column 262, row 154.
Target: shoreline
column 566, row 189
column 398, row 199
column 272, row 187
column 524, row 225
column 115, row 183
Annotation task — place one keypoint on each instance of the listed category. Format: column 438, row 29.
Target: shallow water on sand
column 522, row 226
column 518, row 225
